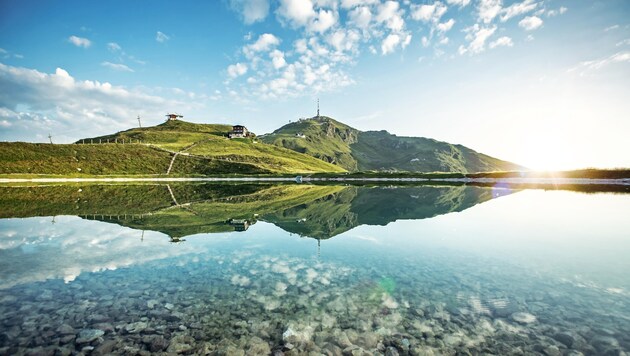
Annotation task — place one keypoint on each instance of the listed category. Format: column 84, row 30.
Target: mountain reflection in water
column 317, row 211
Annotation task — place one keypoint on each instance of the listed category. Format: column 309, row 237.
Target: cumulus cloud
column 530, row 23
column 277, row 59
column 501, row 41
column 519, row 8
column 161, row 37
column 251, row 10
column 117, row 67
column 460, row 3
column 264, row 42
column 428, row 13
column 80, row 41
column 560, row 11
column 32, row 101
column 446, row 26
column 296, row 12
column 390, row 14
column 360, row 17
column 392, row 41
column 236, row 70
column 332, row 34
column 477, row 37
column 488, row 10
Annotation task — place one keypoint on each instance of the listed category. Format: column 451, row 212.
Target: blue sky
column 544, row 83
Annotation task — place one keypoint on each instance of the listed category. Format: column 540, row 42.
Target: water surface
column 299, row 269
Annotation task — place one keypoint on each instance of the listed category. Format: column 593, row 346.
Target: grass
column 267, row 157
column 213, row 155
column 325, row 139
column 355, row 150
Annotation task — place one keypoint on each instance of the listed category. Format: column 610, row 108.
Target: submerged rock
column 89, row 335
column 297, row 336
column 65, row 329
column 523, row 318
column 136, row 327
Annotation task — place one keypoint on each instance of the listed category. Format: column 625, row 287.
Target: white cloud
column 460, row 3
column 277, row 59
column 530, row 23
column 425, row 41
column 324, row 20
column 477, row 36
column 501, row 41
column 344, row 41
column 264, row 43
column 58, row 101
column 360, row 17
column 80, row 41
column 519, row 8
column 349, row 4
column 392, row 41
column 446, row 26
column 598, row 64
column 113, row 47
column 427, row 13
column 611, row 28
column 296, row 12
column 560, row 11
column 625, row 42
column 489, row 9
column 161, row 37
column 251, row 10
column 390, row 14
column 236, row 70
column 117, row 67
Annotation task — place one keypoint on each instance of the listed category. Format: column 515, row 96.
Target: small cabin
column 173, row 117
column 238, row 131
column 239, row 224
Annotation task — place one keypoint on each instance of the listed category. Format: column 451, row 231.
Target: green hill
column 199, row 149
column 334, row 142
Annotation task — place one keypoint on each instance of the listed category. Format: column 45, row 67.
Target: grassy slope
column 354, row 150
column 212, row 154
column 268, row 157
column 171, row 135
column 210, row 141
column 326, row 139
column 380, row 150
column 112, row 159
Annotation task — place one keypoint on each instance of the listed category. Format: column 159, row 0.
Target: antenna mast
column 318, row 107
column 50, row 138
column 139, row 123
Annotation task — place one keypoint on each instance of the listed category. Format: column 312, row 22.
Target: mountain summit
column 335, row 142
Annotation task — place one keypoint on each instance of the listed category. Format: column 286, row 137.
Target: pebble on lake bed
column 523, row 318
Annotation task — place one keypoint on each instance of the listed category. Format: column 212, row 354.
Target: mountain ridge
column 335, row 142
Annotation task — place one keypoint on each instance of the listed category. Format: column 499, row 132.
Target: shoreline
column 485, row 180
